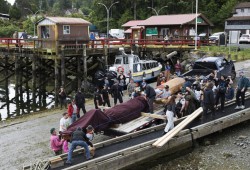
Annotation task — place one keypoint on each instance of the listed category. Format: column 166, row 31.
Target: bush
column 7, row 31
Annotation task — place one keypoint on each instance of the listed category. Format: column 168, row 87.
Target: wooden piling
column 56, row 80
column 33, row 82
column 79, row 75
column 85, row 74
column 7, row 84
column 27, row 86
column 20, row 79
column 62, row 67
column 17, row 85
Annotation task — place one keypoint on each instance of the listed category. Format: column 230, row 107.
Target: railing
column 101, row 43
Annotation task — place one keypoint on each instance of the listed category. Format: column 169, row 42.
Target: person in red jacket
column 73, row 111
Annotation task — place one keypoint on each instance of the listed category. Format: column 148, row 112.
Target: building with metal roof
column 239, row 23
column 63, row 28
column 161, row 25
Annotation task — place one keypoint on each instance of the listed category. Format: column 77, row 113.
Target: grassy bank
column 236, row 54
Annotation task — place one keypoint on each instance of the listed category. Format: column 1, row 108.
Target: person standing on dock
column 221, row 91
column 62, row 98
column 97, row 98
column 241, row 90
column 150, row 96
column 208, row 102
column 131, row 88
column 24, row 35
column 170, row 113
column 105, row 96
column 115, row 93
column 167, row 71
column 64, row 122
column 72, row 111
column 177, row 68
column 79, row 138
column 80, row 102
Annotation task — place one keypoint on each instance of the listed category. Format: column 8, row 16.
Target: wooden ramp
column 164, row 139
column 138, row 123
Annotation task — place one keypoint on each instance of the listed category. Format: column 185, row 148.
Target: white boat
column 140, row 69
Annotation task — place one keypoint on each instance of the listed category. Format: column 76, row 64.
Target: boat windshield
column 125, row 60
column 118, row 61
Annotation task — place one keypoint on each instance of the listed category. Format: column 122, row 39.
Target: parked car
column 215, row 36
column 202, row 36
column 205, row 65
column 244, row 39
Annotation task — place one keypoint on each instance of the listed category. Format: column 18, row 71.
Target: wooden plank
column 156, row 116
column 164, row 139
column 56, row 162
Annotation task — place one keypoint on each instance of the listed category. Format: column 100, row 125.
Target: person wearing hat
column 150, row 95
column 55, row 142
column 80, row 102
column 105, row 95
column 241, row 90
column 79, row 138
column 165, row 93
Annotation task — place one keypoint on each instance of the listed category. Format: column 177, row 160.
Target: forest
column 24, row 13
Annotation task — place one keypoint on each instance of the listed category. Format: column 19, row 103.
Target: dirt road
column 26, row 140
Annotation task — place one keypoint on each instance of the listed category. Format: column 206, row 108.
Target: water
column 25, row 105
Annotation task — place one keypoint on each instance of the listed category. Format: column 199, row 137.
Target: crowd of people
column 210, row 93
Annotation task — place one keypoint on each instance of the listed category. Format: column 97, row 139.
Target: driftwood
column 174, row 86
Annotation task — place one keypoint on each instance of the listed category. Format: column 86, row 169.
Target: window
column 118, row 61
column 66, row 29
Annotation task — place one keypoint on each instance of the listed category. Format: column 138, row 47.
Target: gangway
column 128, row 149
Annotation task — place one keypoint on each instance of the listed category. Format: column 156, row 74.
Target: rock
column 227, row 155
column 242, row 137
column 207, row 142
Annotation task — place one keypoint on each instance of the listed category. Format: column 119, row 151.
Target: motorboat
column 139, row 69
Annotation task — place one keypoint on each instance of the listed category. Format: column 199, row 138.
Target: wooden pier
column 35, row 64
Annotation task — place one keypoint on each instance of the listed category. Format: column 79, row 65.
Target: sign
column 151, row 31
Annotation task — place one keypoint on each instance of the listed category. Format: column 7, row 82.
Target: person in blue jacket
column 241, row 89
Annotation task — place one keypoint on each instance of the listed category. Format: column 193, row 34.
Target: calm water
column 24, row 106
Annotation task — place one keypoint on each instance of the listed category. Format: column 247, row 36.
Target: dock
column 129, row 149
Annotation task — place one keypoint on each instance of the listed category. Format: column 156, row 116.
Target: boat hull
column 147, row 74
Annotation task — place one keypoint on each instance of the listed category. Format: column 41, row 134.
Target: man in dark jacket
column 97, row 98
column 208, row 102
column 241, row 90
column 79, row 138
column 115, row 93
column 80, row 102
column 105, row 95
column 150, row 95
